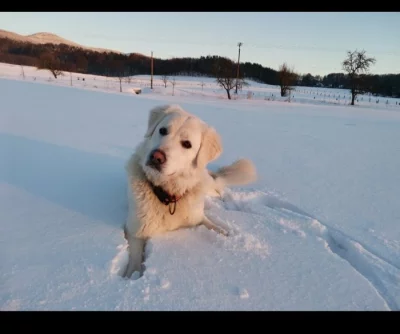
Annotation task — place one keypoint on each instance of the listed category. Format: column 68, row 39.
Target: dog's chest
column 155, row 217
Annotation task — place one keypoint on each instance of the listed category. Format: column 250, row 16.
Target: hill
column 48, row 38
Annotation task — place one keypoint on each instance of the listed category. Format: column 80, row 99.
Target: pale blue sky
column 311, row 42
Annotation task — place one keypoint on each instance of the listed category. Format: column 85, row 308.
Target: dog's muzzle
column 157, row 159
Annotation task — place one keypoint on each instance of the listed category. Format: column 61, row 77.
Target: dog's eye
column 163, row 131
column 186, row 144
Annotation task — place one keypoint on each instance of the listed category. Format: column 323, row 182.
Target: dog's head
column 177, row 145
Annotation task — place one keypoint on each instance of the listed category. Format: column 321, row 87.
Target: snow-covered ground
column 320, row 229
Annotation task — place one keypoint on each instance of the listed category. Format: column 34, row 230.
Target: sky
column 314, row 42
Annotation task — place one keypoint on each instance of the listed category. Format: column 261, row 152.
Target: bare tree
column 241, row 83
column 165, row 79
column 119, row 68
column 173, row 82
column 120, row 77
column 71, row 68
column 287, row 78
column 357, row 65
column 226, row 77
column 48, row 61
column 22, row 72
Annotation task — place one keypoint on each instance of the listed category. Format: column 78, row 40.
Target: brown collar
column 165, row 197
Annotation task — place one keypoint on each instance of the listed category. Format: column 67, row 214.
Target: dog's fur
column 184, row 174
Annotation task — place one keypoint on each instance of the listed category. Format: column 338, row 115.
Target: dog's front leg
column 136, row 247
column 211, row 226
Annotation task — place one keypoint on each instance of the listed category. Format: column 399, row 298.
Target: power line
column 238, row 64
column 151, row 69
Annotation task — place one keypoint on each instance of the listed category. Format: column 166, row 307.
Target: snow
column 318, row 231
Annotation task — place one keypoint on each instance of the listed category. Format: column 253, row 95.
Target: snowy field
column 319, row 230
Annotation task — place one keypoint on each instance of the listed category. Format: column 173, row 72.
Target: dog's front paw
column 225, row 233
column 133, row 271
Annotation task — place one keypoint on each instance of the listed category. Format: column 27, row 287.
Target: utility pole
column 151, row 69
column 237, row 75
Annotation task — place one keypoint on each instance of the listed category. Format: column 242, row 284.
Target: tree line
column 383, row 84
column 73, row 59
column 69, row 58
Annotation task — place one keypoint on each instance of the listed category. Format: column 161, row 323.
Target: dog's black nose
column 158, row 157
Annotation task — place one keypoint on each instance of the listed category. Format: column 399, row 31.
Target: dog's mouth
column 157, row 167
column 153, row 165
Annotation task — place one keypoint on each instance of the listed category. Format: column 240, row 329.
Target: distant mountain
column 45, row 37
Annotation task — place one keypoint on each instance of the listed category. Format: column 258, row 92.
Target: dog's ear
column 210, row 147
column 156, row 115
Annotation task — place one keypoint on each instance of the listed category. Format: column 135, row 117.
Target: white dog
column 168, row 179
